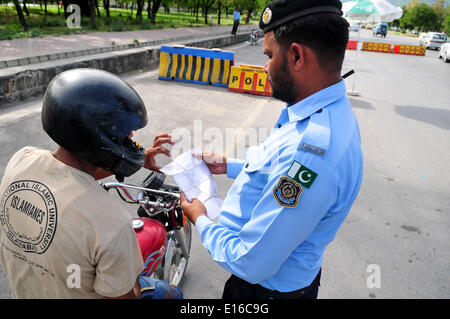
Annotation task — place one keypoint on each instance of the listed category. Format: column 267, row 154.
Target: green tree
column 438, row 7
column 419, row 16
column 405, row 20
column 447, row 25
column 423, row 17
column 250, row 6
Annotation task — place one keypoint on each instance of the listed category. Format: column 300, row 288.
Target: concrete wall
column 32, row 80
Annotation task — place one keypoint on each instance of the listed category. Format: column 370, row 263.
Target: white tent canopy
column 371, row 11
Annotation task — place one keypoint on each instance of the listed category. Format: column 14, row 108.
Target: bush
column 146, row 25
column 35, row 33
column 117, row 25
column 7, row 34
column 47, row 22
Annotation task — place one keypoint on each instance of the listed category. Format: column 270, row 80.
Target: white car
column 444, row 53
column 433, row 40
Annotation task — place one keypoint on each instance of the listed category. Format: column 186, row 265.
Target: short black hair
column 325, row 33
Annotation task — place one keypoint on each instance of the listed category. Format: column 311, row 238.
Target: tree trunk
column 197, row 9
column 220, row 9
column 20, row 15
column 98, row 10
column 45, row 7
column 149, row 10
column 84, row 7
column 140, row 7
column 250, row 10
column 25, row 8
column 65, row 5
column 155, row 8
column 106, row 7
column 92, row 11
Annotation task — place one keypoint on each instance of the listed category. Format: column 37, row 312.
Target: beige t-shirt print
column 29, row 215
column 61, row 234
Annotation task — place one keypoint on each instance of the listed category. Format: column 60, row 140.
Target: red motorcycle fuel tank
column 152, row 238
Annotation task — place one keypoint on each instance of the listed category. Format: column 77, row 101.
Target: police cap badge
column 279, row 12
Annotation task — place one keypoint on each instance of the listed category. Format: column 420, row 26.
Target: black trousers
column 237, row 288
column 235, row 26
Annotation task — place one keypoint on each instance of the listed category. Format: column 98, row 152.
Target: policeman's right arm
column 273, row 232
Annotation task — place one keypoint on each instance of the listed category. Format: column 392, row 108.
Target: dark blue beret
column 279, row 12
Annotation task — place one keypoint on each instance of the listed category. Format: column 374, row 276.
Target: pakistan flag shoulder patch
column 301, row 174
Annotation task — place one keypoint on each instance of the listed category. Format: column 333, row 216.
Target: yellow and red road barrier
column 409, row 49
column 249, row 79
column 195, row 65
column 376, row 47
column 352, row 45
column 398, row 48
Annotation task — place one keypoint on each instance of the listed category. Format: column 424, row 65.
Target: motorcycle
column 163, row 232
column 254, row 36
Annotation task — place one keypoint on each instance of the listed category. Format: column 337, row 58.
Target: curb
column 32, row 80
column 13, row 62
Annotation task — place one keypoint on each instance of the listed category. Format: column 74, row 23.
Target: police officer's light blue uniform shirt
column 271, row 231
column 236, row 15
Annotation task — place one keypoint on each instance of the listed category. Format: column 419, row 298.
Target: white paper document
column 196, row 181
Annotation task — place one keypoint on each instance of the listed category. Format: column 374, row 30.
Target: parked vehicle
column 444, row 53
column 380, row 29
column 354, row 27
column 433, row 40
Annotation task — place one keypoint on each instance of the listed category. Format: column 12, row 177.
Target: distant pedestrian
column 237, row 20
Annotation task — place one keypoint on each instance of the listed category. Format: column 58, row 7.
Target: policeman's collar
column 315, row 102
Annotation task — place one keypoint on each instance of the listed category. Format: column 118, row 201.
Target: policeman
column 294, row 190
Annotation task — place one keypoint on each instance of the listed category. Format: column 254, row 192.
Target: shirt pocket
column 253, row 180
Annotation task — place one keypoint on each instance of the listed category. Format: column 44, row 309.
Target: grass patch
column 54, row 22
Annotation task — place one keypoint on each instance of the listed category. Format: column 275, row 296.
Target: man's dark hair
column 325, row 33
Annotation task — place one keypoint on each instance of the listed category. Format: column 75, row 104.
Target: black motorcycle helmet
column 91, row 113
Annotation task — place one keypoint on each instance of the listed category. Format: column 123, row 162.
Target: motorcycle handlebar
column 108, row 186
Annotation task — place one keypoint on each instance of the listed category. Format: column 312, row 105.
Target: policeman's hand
column 217, row 164
column 192, row 210
column 155, row 149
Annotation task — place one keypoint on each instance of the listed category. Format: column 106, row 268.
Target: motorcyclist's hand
column 217, row 164
column 155, row 149
column 192, row 210
column 151, row 288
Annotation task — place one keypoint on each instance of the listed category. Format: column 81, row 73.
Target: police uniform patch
column 301, row 174
column 287, row 192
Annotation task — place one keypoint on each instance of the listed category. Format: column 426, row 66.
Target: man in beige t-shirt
column 61, row 234
column 58, row 223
